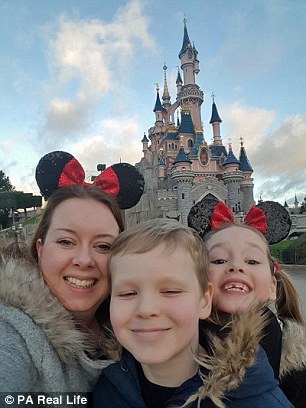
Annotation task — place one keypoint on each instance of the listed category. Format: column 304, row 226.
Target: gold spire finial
column 181, row 141
column 241, row 141
column 213, row 96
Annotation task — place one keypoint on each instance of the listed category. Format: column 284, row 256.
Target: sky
column 80, row 75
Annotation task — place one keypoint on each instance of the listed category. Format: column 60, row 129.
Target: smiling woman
column 54, row 309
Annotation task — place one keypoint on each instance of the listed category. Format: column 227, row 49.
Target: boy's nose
column 147, row 306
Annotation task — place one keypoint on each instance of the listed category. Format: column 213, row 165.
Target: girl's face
column 239, row 269
column 74, row 256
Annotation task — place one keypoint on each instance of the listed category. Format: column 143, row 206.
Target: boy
column 160, row 290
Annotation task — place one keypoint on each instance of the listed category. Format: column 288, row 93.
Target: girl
column 244, row 273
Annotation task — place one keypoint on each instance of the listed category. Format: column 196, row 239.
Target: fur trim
column 293, row 347
column 231, row 356
column 22, row 287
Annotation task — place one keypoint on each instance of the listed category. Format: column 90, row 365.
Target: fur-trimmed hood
column 231, row 355
column 233, row 370
column 293, row 347
column 22, row 287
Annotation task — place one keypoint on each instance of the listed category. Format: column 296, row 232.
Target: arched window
column 183, row 196
column 190, row 143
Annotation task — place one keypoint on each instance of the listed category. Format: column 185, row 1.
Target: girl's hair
column 66, row 193
column 287, row 302
column 146, row 236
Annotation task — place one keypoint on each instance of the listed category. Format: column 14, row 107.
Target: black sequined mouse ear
column 60, row 169
column 200, row 215
column 57, row 169
column 130, row 184
column 278, row 221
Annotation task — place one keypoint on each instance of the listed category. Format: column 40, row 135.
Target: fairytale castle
column 179, row 166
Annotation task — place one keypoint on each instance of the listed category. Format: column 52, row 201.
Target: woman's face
column 74, row 256
column 239, row 269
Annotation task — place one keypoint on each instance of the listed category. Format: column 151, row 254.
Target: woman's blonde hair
column 146, row 236
column 287, row 302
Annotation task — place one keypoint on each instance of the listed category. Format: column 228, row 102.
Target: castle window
column 183, row 196
column 172, row 146
column 176, row 146
column 190, row 143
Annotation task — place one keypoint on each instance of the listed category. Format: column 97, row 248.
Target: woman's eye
column 104, row 247
column 64, row 242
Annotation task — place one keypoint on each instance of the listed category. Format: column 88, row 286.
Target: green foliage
column 277, row 249
column 5, row 184
column 296, row 252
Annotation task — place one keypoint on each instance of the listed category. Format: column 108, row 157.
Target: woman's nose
column 83, row 257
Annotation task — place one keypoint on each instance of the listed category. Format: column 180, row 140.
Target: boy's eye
column 252, row 262
column 128, row 294
column 171, row 291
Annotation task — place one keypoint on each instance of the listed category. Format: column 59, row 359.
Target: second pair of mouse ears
column 60, row 169
column 269, row 217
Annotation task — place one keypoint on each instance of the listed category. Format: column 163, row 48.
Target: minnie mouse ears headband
column 269, row 217
column 60, row 169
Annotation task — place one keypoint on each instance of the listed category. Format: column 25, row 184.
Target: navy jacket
column 118, row 387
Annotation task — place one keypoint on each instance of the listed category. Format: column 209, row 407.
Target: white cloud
column 89, row 60
column 116, row 140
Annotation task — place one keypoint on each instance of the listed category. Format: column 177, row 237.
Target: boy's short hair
column 144, row 237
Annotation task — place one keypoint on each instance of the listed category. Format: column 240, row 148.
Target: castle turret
column 158, row 109
column 215, row 121
column 247, row 185
column 183, row 176
column 232, row 178
column 190, row 92
column 179, row 81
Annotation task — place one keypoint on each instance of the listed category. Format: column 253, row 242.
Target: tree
column 5, row 185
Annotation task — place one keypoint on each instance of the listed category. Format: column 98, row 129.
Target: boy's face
column 156, row 304
column 239, row 269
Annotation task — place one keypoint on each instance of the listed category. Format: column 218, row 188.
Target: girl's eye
column 64, row 242
column 218, row 261
column 104, row 247
column 252, row 262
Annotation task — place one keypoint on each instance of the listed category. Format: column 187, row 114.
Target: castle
column 179, row 167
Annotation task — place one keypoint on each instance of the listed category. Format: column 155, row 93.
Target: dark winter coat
column 239, row 376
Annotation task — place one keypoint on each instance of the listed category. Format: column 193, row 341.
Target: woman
column 54, row 311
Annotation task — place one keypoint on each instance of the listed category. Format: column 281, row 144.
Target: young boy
column 160, row 290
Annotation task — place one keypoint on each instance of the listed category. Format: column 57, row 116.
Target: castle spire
column 186, row 40
column 166, row 96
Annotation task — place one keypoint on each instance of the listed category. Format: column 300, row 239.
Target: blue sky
column 79, row 76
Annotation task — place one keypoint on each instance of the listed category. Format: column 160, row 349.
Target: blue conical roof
column 244, row 161
column 186, row 40
column 186, row 123
column 179, row 78
column 144, row 139
column 158, row 105
column 182, row 157
column 231, row 158
column 215, row 115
